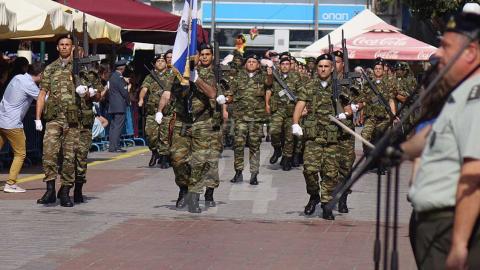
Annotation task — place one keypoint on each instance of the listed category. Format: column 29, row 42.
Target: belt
column 447, row 212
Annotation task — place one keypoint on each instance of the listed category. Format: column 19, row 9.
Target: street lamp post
column 315, row 18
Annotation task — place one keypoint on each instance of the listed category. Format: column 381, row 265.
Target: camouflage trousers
column 373, row 129
column 345, row 157
column 281, row 128
column 157, row 135
column 212, row 179
column 81, row 158
column 58, row 135
column 320, row 158
column 254, row 131
column 191, row 154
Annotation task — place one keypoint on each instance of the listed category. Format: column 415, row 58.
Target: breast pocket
column 441, row 140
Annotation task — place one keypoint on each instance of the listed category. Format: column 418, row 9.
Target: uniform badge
column 474, row 93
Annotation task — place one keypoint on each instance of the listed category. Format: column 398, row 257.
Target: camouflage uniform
column 157, row 134
column 90, row 79
column 191, row 150
column 405, row 87
column 61, row 114
column 249, row 116
column 377, row 118
column 321, row 140
column 282, row 112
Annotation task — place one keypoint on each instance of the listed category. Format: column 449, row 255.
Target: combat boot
column 192, row 201
column 287, row 164
column 153, row 159
column 342, row 203
column 77, row 193
column 312, row 204
column 238, row 177
column 49, row 196
column 326, row 213
column 296, row 160
column 277, row 153
column 64, row 197
column 181, row 201
column 253, row 179
column 209, row 202
column 59, row 191
column 163, row 161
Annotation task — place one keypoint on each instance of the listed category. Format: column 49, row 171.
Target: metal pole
column 212, row 23
column 315, row 20
column 42, row 51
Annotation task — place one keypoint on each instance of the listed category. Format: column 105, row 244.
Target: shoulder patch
column 474, row 93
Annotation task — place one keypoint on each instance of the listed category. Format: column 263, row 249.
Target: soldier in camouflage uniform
column 157, row 134
column 377, row 118
column 247, row 92
column 321, row 137
column 281, row 108
column 87, row 117
column 346, row 142
column 405, row 85
column 61, row 112
column 191, row 149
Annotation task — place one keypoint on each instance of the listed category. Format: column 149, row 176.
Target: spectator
column 19, row 94
column 118, row 101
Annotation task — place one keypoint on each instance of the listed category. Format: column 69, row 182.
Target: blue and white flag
column 186, row 39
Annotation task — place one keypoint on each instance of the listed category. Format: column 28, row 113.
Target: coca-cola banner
column 390, row 45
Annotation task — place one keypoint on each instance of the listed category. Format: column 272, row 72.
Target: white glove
column 354, row 107
column 158, row 117
column 194, row 76
column 221, row 100
column 92, row 92
column 81, row 90
column 342, row 116
column 297, row 130
column 266, row 62
column 38, row 125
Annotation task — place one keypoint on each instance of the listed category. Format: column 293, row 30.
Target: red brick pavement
column 230, row 244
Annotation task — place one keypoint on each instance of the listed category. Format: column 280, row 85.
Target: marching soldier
column 61, row 114
column 87, row 117
column 406, row 82
column 281, row 108
column 321, row 137
column 346, row 142
column 157, row 134
column 191, row 148
column 248, row 94
column 377, row 116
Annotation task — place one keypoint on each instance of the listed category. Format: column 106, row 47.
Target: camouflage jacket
column 317, row 125
column 155, row 92
column 373, row 105
column 248, row 96
column 405, row 85
column 279, row 100
column 89, row 78
column 58, row 82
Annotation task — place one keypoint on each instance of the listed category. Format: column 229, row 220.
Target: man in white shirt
column 18, row 96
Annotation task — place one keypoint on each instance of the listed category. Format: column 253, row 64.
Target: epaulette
column 474, row 93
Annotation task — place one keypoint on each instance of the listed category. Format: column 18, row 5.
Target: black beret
column 158, row 56
column 206, row 46
column 252, row 55
column 381, row 63
column 169, row 51
column 465, row 23
column 285, row 54
column 338, row 54
column 68, row 36
column 324, row 56
column 121, row 62
column 285, row 59
column 310, row 59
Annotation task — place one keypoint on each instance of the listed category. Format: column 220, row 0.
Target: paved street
column 130, row 222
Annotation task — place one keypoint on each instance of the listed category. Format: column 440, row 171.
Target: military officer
column 61, row 114
column 248, row 93
column 281, row 108
column 320, row 135
column 157, row 134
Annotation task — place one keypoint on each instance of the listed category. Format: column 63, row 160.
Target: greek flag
column 186, row 39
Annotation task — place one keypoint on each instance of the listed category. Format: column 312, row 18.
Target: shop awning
column 384, row 40
column 8, row 19
column 139, row 22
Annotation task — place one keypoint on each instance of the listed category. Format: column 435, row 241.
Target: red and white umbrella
column 384, row 40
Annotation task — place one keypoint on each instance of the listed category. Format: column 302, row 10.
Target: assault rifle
column 335, row 86
column 382, row 99
column 155, row 77
column 348, row 76
column 286, row 90
column 85, row 61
